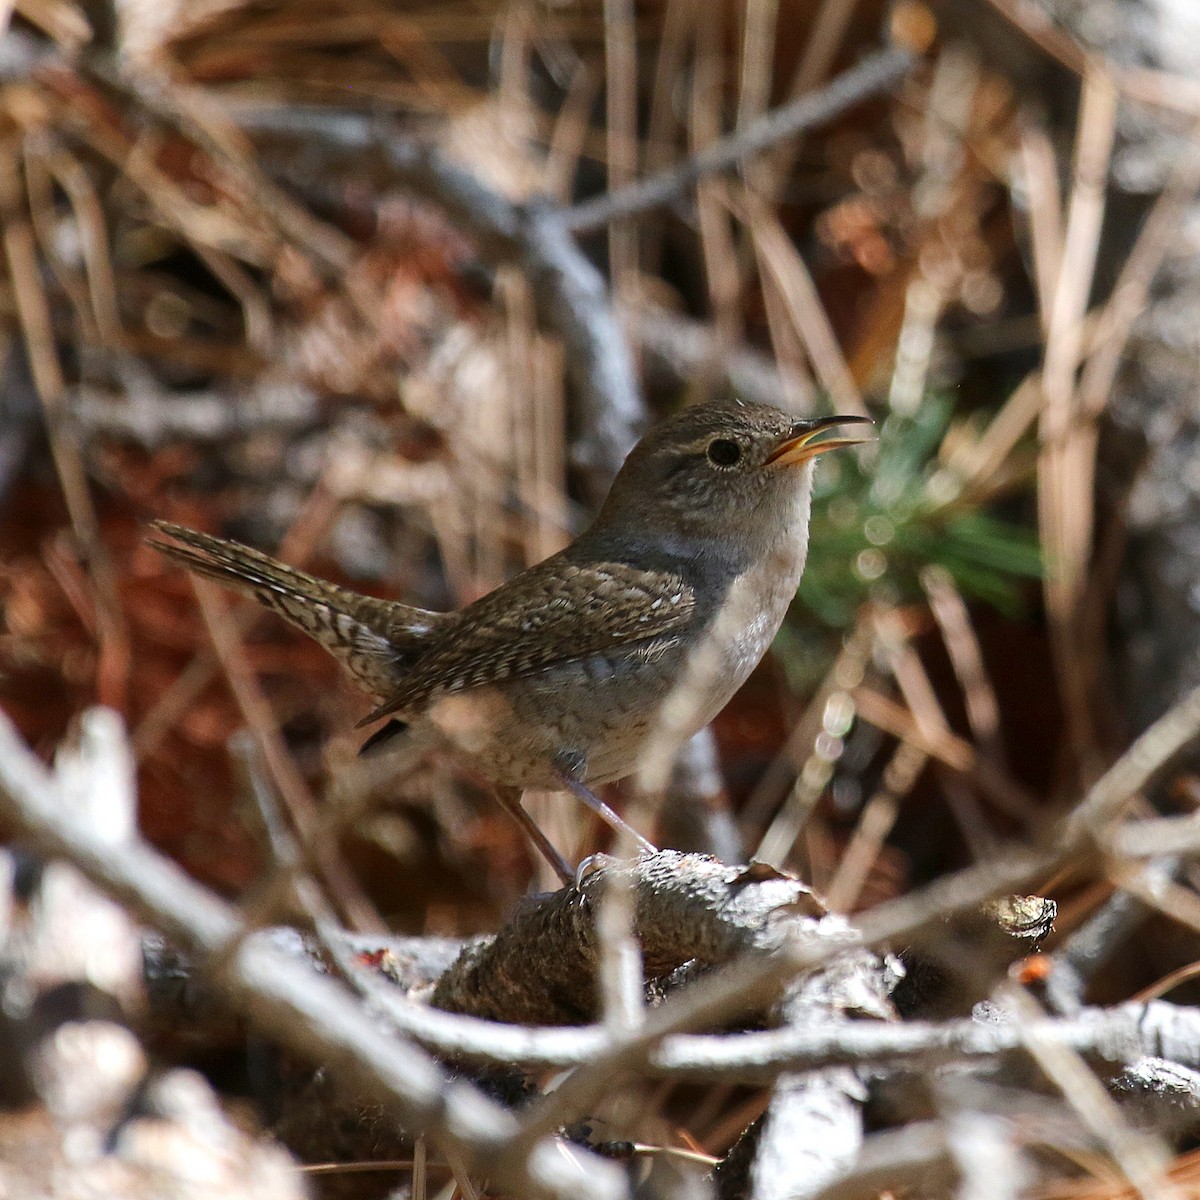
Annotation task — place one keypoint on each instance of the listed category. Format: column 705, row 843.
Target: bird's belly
column 598, row 712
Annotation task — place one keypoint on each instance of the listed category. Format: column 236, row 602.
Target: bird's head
column 732, row 471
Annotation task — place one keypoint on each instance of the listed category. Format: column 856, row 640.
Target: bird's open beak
column 800, row 444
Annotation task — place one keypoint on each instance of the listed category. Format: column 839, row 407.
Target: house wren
column 640, row 630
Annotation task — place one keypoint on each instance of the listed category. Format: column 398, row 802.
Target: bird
column 641, row 629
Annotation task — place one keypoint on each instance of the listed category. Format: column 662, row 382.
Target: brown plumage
column 565, row 672
column 404, row 655
column 374, row 640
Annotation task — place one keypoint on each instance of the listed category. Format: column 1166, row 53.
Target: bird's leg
column 510, row 801
column 567, row 768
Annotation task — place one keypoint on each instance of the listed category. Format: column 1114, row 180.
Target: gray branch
column 571, row 293
column 1116, row 1037
column 871, row 77
column 286, row 998
column 150, row 415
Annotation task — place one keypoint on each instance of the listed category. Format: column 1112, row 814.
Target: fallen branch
column 1119, row 1037
column 1116, row 1037
column 285, row 998
column 689, row 909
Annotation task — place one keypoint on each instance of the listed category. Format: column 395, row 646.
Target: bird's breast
column 748, row 616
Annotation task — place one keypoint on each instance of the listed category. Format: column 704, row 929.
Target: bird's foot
column 607, row 814
column 510, row 800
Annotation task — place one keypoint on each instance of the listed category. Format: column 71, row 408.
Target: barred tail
column 373, row 639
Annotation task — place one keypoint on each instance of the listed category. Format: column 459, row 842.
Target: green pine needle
column 875, row 526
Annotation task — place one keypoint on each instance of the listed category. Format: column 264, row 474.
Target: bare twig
column 310, row 1014
column 1177, row 728
column 1094, row 943
column 1141, row 1156
column 571, row 292
column 871, row 77
column 1158, row 836
column 1116, row 1036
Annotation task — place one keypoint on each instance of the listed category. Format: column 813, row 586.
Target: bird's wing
column 573, row 612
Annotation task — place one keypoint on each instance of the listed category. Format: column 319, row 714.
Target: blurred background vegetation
column 217, row 307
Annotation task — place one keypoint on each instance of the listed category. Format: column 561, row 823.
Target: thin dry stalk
column 70, row 174
column 33, row 314
column 39, row 190
column 419, row 1169
column 1168, row 983
column 570, row 133
column 953, row 752
column 620, row 89
column 824, row 42
column 756, row 78
column 491, row 434
column 979, row 465
column 733, row 1121
column 62, row 22
column 1141, row 1156
column 300, row 803
column 779, row 261
column 1161, row 89
column 831, row 711
column 410, row 44
column 1066, row 467
column 1044, row 208
column 947, row 122
column 787, row 347
column 257, row 320
column 722, row 268
column 461, row 1175
column 207, row 124
column 921, row 698
column 678, row 31
column 1174, row 900
column 538, row 434
column 875, row 822
column 309, row 528
column 758, row 47
column 966, row 657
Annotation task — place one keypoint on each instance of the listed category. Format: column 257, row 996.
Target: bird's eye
column 723, row 453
